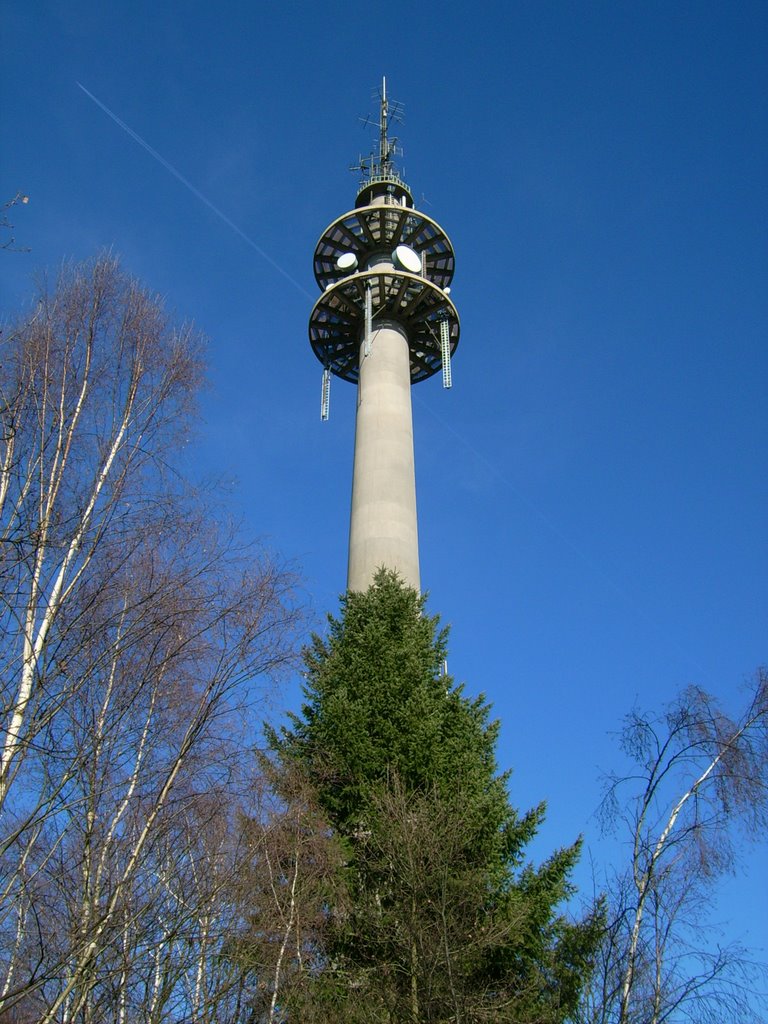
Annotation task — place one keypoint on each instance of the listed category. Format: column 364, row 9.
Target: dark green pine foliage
column 444, row 920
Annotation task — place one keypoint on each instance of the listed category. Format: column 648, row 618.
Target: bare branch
column 701, row 783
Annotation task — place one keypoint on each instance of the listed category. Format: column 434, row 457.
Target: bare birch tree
column 7, row 241
column 699, row 784
column 133, row 633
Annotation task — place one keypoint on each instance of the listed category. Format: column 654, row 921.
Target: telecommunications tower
column 384, row 321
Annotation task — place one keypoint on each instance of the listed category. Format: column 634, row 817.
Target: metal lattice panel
column 337, row 322
column 379, row 229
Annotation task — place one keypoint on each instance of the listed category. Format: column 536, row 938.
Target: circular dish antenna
column 405, row 257
column 348, row 261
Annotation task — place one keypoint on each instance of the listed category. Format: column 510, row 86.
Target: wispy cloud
column 191, row 188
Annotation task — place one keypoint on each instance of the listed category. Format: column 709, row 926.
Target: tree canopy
column 445, row 920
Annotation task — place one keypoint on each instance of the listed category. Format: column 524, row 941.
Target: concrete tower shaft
column 383, row 524
column 384, row 321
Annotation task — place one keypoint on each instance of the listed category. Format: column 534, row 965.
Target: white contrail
column 195, row 191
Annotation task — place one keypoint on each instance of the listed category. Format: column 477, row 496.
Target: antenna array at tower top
column 380, row 166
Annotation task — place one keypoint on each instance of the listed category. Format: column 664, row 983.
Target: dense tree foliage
column 444, row 920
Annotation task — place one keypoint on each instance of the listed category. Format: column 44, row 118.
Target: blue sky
column 592, row 491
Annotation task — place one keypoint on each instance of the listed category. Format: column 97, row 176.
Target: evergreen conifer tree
column 444, row 920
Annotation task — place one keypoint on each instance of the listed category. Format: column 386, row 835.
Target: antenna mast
column 383, row 140
column 380, row 166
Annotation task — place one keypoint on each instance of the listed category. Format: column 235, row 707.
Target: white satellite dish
column 409, row 260
column 347, row 261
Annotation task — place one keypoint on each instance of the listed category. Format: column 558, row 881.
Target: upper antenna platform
column 380, row 175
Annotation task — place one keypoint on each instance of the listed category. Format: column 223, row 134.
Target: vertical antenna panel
column 368, row 320
column 325, row 399
column 445, row 351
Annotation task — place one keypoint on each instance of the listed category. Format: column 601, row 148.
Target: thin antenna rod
column 325, row 396
column 383, row 140
column 368, row 318
column 445, row 351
